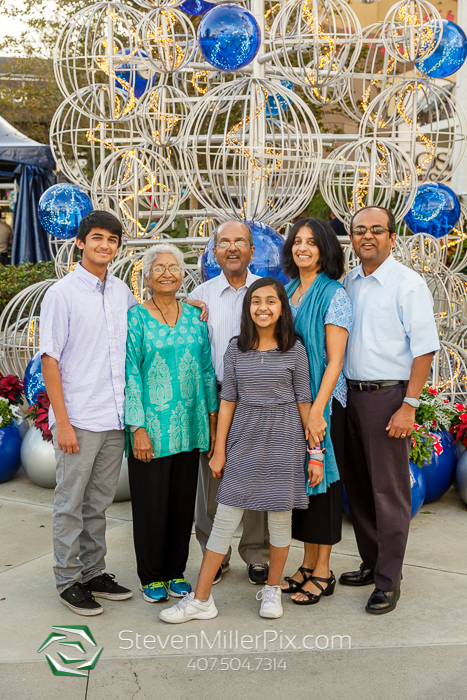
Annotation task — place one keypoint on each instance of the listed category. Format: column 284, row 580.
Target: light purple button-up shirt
column 85, row 330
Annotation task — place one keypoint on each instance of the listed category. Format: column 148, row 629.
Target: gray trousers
column 254, row 543
column 86, row 485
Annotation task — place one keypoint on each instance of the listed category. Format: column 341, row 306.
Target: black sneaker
column 105, row 586
column 258, row 574
column 222, row 570
column 80, row 600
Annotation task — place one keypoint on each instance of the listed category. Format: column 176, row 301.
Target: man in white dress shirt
column 223, row 296
column 387, row 362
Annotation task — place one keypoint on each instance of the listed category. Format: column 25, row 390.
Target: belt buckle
column 374, row 384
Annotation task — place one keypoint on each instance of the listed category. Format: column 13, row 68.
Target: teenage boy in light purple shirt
column 83, row 328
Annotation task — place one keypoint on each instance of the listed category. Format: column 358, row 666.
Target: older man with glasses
column 387, row 362
column 223, row 296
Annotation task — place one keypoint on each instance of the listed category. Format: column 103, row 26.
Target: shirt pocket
column 381, row 324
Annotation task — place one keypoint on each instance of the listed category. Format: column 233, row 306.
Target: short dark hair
column 391, row 219
column 284, row 332
column 100, row 219
column 331, row 253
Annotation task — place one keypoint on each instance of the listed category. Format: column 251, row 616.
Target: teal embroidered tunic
column 170, row 380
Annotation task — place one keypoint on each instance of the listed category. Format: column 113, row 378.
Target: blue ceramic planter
column 439, row 472
column 417, row 488
column 10, row 449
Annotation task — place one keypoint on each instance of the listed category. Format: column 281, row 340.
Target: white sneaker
column 270, row 597
column 188, row 608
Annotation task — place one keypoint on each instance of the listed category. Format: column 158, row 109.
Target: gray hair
column 234, row 221
column 155, row 250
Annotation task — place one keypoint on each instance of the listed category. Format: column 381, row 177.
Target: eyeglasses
column 376, row 230
column 241, row 243
column 160, row 269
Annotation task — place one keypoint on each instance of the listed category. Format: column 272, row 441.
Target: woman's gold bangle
column 213, row 413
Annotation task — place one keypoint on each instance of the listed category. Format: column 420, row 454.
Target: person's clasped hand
column 142, row 445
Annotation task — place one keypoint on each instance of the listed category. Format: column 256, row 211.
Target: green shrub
column 14, row 278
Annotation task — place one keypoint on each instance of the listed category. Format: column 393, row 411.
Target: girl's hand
column 200, row 305
column 315, row 473
column 315, row 428
column 217, row 465
column 142, row 445
column 212, row 433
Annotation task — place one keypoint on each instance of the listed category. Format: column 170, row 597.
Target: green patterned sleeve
column 134, row 409
column 209, row 376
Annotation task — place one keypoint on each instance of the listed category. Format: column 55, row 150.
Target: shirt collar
column 381, row 272
column 225, row 284
column 91, row 280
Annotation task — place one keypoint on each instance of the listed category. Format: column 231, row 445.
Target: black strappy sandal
column 294, row 585
column 312, row 598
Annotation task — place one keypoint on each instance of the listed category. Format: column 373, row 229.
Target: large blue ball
column 33, row 379
column 61, row 209
column 439, row 472
column 229, row 37
column 450, row 54
column 436, row 210
column 417, row 488
column 196, row 7
column 10, row 452
column 138, row 76
column 266, row 260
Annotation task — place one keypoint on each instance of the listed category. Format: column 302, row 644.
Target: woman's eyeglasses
column 376, row 230
column 160, row 269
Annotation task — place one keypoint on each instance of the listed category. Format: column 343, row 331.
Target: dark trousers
column 163, row 495
column 377, row 483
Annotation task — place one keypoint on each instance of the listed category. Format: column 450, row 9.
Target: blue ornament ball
column 450, row 54
column 33, row 379
column 196, row 7
column 266, row 260
column 435, row 210
column 61, row 209
column 417, row 488
column 229, row 37
column 136, row 75
column 276, row 101
column 461, row 476
column 10, row 452
column 439, row 472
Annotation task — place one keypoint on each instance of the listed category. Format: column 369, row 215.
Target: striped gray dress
column 266, row 448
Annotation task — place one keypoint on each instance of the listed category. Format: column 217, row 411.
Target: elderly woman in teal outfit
column 171, row 414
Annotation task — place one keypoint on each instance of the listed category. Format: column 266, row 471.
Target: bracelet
column 213, row 413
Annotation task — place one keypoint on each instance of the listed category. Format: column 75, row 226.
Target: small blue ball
column 266, row 260
column 196, row 7
column 435, row 210
column 450, row 54
column 138, row 76
column 33, row 379
column 61, row 209
column 229, row 37
column 272, row 107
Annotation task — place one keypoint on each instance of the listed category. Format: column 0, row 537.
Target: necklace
column 162, row 314
column 300, row 298
column 262, row 352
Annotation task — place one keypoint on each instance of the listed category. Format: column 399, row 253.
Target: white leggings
column 228, row 519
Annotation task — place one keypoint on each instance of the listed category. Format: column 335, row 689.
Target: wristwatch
column 415, row 403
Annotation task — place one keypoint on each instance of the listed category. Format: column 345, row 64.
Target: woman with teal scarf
column 313, row 258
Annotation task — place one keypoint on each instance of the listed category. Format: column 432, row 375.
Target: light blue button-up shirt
column 393, row 322
column 85, row 330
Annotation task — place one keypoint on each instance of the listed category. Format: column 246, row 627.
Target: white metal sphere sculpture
column 314, row 42
column 424, row 120
column 412, row 29
column 161, row 114
column 140, row 187
column 167, row 38
column 98, row 49
column 368, row 172
column 243, row 161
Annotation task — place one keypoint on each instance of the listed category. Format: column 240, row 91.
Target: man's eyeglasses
column 376, row 230
column 238, row 244
column 160, row 269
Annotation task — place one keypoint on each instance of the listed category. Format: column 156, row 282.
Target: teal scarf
column 309, row 324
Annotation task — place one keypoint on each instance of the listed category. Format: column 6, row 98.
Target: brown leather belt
column 373, row 385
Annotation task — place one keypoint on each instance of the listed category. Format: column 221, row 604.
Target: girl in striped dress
column 260, row 449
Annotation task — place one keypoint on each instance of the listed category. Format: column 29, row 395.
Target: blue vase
column 440, row 470
column 417, row 488
column 10, row 450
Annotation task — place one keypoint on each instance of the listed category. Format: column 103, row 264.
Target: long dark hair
column 284, row 332
column 331, row 253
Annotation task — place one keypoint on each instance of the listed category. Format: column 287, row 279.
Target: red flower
column 433, row 391
column 11, row 388
column 459, row 407
column 463, row 417
column 40, row 414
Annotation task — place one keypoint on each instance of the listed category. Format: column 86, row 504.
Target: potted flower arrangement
column 37, row 451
